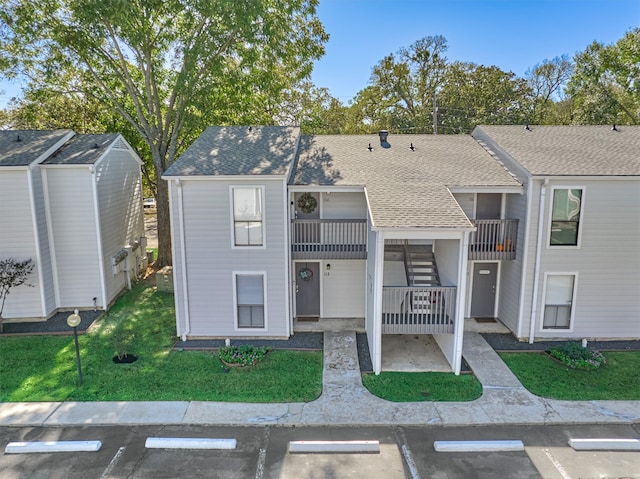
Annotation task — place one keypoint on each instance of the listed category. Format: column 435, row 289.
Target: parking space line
column 559, row 467
column 189, row 443
column 605, row 444
column 262, row 455
column 334, row 446
column 477, row 446
column 113, row 463
column 52, row 446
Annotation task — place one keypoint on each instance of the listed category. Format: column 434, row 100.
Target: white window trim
column 573, row 302
column 581, row 221
column 234, row 283
column 232, row 219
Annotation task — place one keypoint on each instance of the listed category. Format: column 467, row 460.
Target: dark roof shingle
column 23, row 147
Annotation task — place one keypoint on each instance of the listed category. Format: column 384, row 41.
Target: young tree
column 169, row 68
column 13, row 273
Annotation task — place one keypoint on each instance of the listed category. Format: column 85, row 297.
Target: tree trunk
column 164, row 226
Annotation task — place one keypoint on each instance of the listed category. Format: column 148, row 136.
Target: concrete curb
column 334, row 447
column 477, row 446
column 605, row 444
column 52, row 446
column 189, row 443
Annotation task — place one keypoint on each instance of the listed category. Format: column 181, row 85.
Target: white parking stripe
column 559, row 467
column 334, row 446
column 189, row 443
column 52, row 446
column 113, row 463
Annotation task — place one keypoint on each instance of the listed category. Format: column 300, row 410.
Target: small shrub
column 575, row 356
column 243, row 355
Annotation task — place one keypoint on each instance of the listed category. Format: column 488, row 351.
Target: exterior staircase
column 420, row 266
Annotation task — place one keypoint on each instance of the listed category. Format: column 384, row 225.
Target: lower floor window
column 250, row 300
column 558, row 304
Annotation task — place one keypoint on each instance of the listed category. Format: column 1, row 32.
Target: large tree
column 605, row 85
column 547, row 81
column 167, row 67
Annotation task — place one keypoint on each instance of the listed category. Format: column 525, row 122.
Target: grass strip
column 427, row 386
column 541, row 375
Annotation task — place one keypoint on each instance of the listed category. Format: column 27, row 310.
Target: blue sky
column 513, row 35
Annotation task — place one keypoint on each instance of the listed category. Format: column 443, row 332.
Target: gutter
column 183, row 260
column 536, row 268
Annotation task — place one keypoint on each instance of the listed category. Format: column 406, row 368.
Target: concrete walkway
column 344, row 401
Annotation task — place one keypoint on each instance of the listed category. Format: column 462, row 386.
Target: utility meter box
column 164, row 279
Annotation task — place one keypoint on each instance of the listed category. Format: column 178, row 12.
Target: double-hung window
column 565, row 217
column 248, row 215
column 559, row 295
column 249, row 296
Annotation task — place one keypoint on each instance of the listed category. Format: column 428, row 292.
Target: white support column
column 460, row 302
column 377, row 305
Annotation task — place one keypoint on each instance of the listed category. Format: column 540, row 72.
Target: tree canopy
column 168, row 68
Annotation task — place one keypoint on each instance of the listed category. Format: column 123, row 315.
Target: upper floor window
column 565, row 217
column 248, row 216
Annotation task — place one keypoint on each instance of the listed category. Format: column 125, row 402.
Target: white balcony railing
column 494, row 240
column 329, row 239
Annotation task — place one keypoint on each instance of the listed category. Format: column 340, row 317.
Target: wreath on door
column 307, row 203
column 306, row 274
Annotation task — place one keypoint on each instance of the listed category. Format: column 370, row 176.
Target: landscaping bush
column 575, row 356
column 243, row 355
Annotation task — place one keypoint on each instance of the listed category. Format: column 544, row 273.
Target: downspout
column 460, row 301
column 183, row 260
column 536, row 268
column 96, row 208
column 287, row 254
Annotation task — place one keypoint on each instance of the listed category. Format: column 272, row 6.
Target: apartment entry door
column 483, row 294
column 307, row 290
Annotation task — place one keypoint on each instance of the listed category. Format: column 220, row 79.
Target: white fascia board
column 327, row 188
column 417, row 233
column 486, row 189
column 254, row 178
column 131, row 150
column 54, row 148
column 587, row 177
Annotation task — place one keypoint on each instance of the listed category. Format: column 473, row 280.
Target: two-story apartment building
column 269, row 225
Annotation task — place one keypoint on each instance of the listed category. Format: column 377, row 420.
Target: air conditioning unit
column 118, row 262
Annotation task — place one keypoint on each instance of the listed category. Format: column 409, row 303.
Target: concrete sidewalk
column 345, row 401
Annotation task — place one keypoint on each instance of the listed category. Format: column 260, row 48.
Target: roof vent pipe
column 383, row 134
column 613, row 128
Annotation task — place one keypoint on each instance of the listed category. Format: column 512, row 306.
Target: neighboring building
column 73, row 204
column 269, row 225
column 580, row 274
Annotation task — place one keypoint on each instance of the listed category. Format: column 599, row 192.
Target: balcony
column 329, row 239
column 494, row 240
column 418, row 310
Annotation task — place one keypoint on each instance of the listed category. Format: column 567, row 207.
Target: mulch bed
column 508, row 343
column 56, row 325
column 299, row 341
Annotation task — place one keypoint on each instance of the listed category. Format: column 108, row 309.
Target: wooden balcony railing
column 413, row 310
column 329, row 239
column 494, row 240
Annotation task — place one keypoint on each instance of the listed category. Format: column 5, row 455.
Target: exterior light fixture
column 328, row 267
column 73, row 321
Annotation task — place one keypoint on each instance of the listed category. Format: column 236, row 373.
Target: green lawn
column 408, row 387
column 616, row 380
column 43, row 368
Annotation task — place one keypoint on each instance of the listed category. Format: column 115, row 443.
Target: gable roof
column 239, row 151
column 82, row 149
column 405, row 188
column 23, row 147
column 569, row 150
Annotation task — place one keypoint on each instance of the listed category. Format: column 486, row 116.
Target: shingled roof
column 405, row 187
column 569, row 150
column 82, row 149
column 239, row 150
column 23, row 147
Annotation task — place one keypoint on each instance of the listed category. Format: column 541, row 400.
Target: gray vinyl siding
column 74, row 235
column 43, row 239
column 211, row 260
column 339, row 205
column 607, row 303
column 511, row 271
column 343, row 289
column 120, row 209
column 467, row 203
column 17, row 240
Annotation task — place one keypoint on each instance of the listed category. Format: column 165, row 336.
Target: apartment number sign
column 307, row 203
